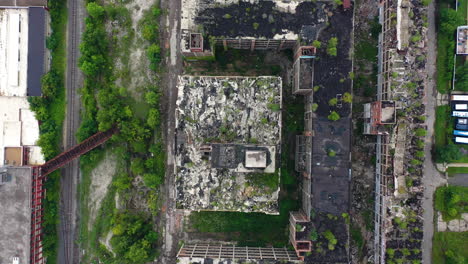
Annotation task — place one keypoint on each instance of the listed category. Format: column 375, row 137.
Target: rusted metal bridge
column 39, row 174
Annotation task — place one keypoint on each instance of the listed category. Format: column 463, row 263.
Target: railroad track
column 68, row 250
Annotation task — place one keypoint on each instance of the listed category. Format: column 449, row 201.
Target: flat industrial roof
column 22, row 3
column 18, row 127
column 15, row 216
column 13, row 51
column 36, row 50
column 22, row 51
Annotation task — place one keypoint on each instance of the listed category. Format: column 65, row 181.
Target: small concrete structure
column 455, row 225
column 462, row 40
column 377, row 115
column 15, row 216
column 255, row 159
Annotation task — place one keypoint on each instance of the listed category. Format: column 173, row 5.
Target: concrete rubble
column 455, row 225
column 241, row 113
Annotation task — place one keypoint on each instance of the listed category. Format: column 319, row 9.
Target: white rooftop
column 18, row 127
column 255, row 159
column 13, row 52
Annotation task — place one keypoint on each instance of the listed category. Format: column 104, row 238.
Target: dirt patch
column 106, row 242
column 101, row 178
column 138, row 67
column 131, row 66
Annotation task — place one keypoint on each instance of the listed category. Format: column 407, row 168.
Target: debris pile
column 223, row 123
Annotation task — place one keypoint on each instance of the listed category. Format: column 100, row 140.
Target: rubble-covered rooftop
column 253, row 19
column 228, row 133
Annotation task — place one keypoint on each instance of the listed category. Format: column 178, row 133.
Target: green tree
column 95, row 10
column 331, row 47
column 332, row 102
column 122, row 182
column 152, row 98
column 334, row 116
column 149, row 32
column 154, row 55
column 153, row 118
column 462, row 77
column 454, row 258
column 314, row 107
column 137, row 166
column 152, row 180
column 420, row 132
column 347, row 98
column 50, row 82
column 448, row 153
column 450, row 19
column 317, row 44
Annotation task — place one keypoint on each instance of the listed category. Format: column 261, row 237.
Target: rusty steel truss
column 219, row 251
column 38, row 191
column 76, row 151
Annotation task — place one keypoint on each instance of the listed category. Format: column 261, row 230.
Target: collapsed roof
column 228, row 140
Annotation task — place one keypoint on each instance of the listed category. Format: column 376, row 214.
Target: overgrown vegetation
column 107, row 103
column 331, row 46
column 262, row 180
column 449, row 20
column 334, row 116
column 451, row 201
column 450, row 248
column 445, row 149
column 50, row 112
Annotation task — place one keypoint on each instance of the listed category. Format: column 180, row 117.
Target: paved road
column 174, row 67
column 460, row 179
column 68, row 251
column 431, row 177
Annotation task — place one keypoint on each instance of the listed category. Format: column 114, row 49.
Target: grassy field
column 88, row 163
column 443, row 127
column 256, row 229
column 451, row 201
column 444, row 242
column 444, row 54
column 454, row 170
column 463, row 8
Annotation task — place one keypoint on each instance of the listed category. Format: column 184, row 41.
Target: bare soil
column 101, row 178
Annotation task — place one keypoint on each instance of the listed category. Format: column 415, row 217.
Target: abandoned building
column 22, row 40
column 396, row 90
column 254, row 25
column 377, row 115
column 22, row 51
column 22, row 57
column 228, row 142
column 277, row 25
